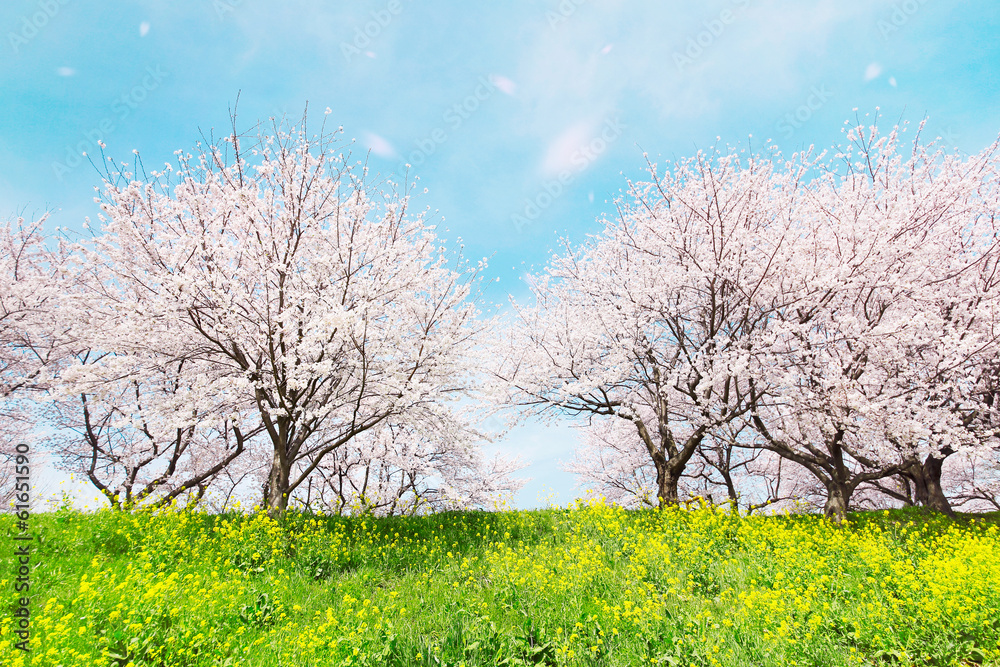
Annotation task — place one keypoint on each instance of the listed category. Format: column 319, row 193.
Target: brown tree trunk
column 838, row 488
column 730, row 489
column 926, row 478
column 668, row 468
column 666, row 487
column 838, row 499
column 276, row 489
column 936, row 500
column 914, row 473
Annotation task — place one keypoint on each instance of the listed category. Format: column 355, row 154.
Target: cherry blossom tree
column 145, row 430
column 33, row 338
column 17, row 424
column 31, row 280
column 731, row 464
column 407, row 470
column 866, row 366
column 277, row 269
column 653, row 321
column 972, row 479
column 845, row 322
column 612, row 462
column 961, row 363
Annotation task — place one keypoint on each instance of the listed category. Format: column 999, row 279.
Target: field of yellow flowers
column 587, row 585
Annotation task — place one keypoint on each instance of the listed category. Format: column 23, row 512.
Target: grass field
column 590, row 585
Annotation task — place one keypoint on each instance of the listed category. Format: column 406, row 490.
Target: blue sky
column 522, row 119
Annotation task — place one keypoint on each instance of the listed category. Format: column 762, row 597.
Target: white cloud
column 144, row 28
column 872, row 71
column 65, row 71
column 757, row 53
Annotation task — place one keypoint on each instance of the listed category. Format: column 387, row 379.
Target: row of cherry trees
column 262, row 314
column 258, row 312
column 783, row 324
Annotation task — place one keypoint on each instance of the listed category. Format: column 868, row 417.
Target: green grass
column 591, row 585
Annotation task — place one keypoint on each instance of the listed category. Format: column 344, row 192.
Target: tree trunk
column 936, row 500
column 276, row 489
column 838, row 488
column 730, row 489
column 668, row 469
column 926, row 478
column 914, row 473
column 666, row 486
column 838, row 499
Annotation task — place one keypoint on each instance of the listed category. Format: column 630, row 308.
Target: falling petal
column 378, row 145
column 564, row 152
column 503, row 84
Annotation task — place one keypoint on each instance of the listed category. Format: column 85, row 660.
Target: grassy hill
column 589, row 585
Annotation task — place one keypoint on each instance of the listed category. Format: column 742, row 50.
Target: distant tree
column 733, row 466
column 33, row 337
column 146, row 431
column 612, row 462
column 402, row 470
column 973, row 480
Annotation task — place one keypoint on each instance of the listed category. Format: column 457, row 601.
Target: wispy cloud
column 604, row 54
